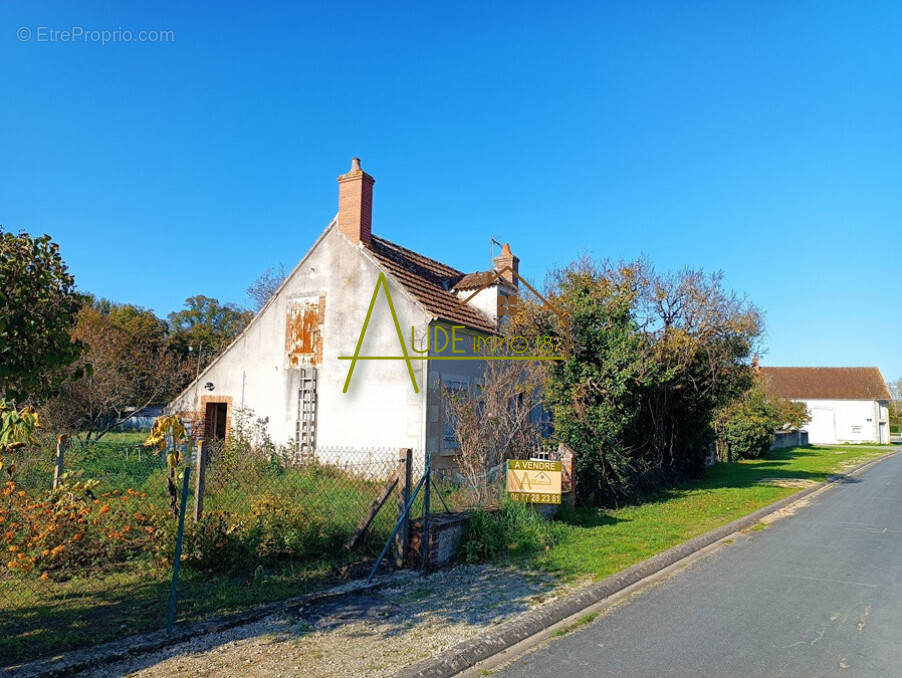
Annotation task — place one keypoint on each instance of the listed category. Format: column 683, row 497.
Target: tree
column 38, row 309
column 596, row 395
column 133, row 367
column 895, row 406
column 266, row 284
column 493, row 423
column 652, row 358
column 205, row 328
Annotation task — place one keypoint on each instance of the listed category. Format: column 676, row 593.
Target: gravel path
column 367, row 634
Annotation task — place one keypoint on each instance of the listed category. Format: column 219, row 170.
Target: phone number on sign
column 536, row 497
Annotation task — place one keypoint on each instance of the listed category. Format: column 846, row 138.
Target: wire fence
column 91, row 560
column 460, row 492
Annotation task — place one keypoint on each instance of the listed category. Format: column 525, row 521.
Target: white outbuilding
column 846, row 404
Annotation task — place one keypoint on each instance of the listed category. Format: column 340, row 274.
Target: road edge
column 468, row 653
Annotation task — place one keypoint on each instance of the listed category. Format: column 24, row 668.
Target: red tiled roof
column 474, row 281
column 429, row 282
column 826, row 383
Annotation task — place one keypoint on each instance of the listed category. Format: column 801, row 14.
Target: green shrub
column 747, row 424
column 514, row 529
column 747, row 435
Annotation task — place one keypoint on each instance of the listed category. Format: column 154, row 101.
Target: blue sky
column 761, row 139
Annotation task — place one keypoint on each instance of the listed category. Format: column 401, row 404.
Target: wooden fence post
column 568, row 472
column 402, row 539
column 62, row 444
column 200, row 462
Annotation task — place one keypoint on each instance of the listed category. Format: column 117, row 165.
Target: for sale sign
column 534, row 480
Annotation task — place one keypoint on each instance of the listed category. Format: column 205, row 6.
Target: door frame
column 210, row 400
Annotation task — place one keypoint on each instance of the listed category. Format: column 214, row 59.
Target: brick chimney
column 507, row 259
column 355, row 204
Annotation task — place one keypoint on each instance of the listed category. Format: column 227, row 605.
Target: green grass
column 596, row 543
column 582, row 621
column 43, row 617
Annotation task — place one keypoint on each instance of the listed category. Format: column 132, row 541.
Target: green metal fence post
column 170, row 615
column 398, row 524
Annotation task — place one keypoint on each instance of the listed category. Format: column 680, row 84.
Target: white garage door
column 822, row 427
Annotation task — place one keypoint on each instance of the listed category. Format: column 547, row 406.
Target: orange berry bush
column 57, row 534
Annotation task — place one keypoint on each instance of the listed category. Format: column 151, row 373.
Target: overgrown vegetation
column 652, row 358
column 514, row 529
column 271, row 529
column 492, row 423
column 57, row 533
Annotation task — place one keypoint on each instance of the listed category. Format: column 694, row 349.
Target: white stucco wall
column 834, row 421
column 380, row 408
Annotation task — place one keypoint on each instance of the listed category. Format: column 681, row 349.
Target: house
column 141, row 420
column 846, row 404
column 305, row 361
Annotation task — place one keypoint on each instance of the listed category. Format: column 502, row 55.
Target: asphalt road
column 815, row 594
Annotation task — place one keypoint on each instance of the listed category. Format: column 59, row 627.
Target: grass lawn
column 38, row 618
column 596, row 543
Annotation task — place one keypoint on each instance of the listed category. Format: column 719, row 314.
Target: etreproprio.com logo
column 99, row 36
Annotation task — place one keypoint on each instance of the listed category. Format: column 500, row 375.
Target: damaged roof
column 825, row 383
column 430, row 282
column 475, row 281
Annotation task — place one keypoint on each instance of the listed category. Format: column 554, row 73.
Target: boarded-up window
column 303, row 331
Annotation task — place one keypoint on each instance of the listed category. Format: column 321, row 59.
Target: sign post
column 533, row 480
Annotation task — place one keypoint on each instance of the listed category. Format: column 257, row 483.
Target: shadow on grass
column 40, row 619
column 788, row 464
column 478, row 596
column 587, row 517
column 51, row 622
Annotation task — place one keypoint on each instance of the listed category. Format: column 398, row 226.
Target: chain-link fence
column 458, row 491
column 92, row 560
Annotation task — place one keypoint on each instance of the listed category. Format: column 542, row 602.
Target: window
column 449, row 441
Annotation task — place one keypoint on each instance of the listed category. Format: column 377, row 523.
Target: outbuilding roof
column 825, row 383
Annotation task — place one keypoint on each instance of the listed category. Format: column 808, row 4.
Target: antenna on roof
column 492, row 243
